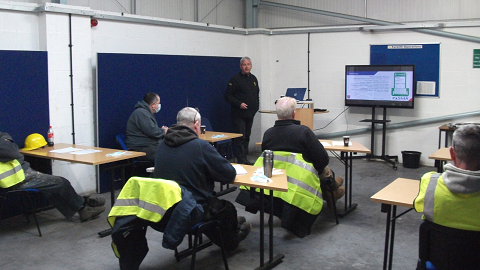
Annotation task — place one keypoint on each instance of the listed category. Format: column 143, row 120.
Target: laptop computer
column 296, row 93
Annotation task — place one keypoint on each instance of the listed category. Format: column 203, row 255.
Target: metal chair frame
column 28, row 205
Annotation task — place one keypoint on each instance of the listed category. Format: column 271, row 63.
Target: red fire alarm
column 94, row 22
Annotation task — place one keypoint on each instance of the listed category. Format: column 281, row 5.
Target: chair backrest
column 121, row 141
column 448, row 248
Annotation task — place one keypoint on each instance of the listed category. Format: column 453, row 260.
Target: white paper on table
column 66, row 150
column 239, row 169
column 259, row 171
column 260, row 178
column 114, row 154
column 325, row 143
column 86, row 151
column 340, row 143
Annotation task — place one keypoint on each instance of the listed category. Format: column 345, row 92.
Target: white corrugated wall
column 232, row 12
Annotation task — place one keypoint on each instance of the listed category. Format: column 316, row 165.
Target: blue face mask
column 159, row 107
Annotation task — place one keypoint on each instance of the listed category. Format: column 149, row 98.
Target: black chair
column 196, row 232
column 29, row 205
column 448, row 248
column 120, row 138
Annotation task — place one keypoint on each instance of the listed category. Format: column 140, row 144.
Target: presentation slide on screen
column 380, row 85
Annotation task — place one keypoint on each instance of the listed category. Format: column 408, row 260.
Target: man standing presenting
column 243, row 94
column 143, row 133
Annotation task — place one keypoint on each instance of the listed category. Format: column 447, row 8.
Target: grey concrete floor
column 356, row 243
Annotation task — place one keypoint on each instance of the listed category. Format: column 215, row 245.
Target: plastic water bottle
column 267, row 163
column 50, row 136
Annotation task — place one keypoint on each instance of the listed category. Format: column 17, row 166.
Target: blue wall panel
column 24, row 103
column 24, row 91
column 196, row 81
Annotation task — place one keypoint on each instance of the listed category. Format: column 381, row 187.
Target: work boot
column 94, row 202
column 339, row 181
column 241, row 220
column 337, row 194
column 87, row 212
column 242, row 233
column 245, row 229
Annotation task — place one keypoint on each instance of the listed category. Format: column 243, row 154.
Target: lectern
column 303, row 113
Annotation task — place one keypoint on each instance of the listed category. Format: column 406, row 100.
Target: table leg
column 388, row 209
column 273, row 261
column 262, row 224
column 392, row 237
column 349, row 207
column 390, row 233
column 108, row 232
column 439, row 137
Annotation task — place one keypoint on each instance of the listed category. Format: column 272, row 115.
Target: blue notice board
column 425, row 57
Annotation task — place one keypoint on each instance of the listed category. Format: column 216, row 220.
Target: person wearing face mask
column 143, row 133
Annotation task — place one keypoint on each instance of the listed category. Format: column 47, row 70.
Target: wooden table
column 208, row 136
column 346, row 156
column 96, row 158
column 279, row 183
column 401, row 192
column 441, row 156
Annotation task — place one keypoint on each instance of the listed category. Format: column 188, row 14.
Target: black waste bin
column 411, row 159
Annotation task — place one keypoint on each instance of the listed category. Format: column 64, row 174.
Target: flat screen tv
column 388, row 86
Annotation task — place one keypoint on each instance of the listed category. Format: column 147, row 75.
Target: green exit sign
column 476, row 58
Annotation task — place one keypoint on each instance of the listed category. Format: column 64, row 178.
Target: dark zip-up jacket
column 243, row 89
column 192, row 162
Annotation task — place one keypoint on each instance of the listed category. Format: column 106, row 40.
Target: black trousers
column 151, row 151
column 244, row 127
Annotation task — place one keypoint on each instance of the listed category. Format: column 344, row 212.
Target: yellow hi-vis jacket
column 11, row 173
column 304, row 189
column 146, row 198
column 443, row 207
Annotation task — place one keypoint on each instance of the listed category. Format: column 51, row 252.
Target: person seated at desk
column 452, row 198
column 288, row 135
column 143, row 133
column 195, row 164
column 16, row 174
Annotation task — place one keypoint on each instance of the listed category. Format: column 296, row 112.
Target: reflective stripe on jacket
column 304, row 189
column 11, row 173
column 443, row 207
column 146, row 198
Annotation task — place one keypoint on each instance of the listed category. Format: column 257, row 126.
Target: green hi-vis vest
column 441, row 206
column 146, row 198
column 304, row 189
column 11, row 173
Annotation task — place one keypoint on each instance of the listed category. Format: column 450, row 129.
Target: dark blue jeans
column 244, row 127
